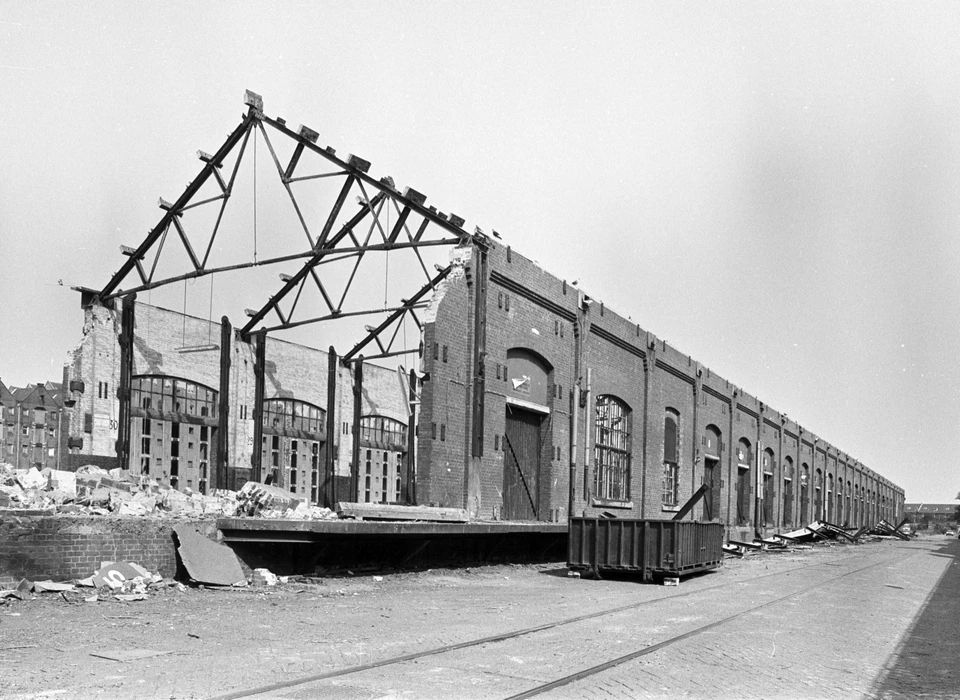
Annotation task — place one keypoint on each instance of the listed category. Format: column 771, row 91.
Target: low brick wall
column 61, row 547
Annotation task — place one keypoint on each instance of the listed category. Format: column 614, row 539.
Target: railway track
column 850, row 563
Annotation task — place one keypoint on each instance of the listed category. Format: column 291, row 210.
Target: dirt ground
column 201, row 642
column 211, row 641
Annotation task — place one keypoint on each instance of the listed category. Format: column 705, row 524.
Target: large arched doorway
column 526, row 433
column 712, row 447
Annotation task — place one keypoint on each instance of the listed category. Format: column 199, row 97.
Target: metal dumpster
column 651, row 547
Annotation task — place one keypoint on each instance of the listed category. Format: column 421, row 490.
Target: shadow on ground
column 926, row 665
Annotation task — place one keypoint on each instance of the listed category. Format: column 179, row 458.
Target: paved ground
column 874, row 620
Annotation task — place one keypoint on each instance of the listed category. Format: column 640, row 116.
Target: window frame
column 612, row 452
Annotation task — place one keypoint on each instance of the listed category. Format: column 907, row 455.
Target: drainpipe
column 574, row 429
column 587, row 462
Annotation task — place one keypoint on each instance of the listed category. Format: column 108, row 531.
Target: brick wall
column 68, row 547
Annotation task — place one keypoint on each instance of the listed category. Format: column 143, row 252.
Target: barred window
column 671, row 468
column 611, row 451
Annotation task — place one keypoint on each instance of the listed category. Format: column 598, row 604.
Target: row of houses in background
column 33, row 424
column 942, row 513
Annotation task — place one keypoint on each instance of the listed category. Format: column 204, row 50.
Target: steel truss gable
column 368, row 231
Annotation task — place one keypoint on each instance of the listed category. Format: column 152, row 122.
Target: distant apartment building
column 930, row 512
column 31, row 419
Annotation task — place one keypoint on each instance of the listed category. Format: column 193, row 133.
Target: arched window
column 611, row 449
column 172, row 395
column 293, row 417
column 670, row 493
column 381, row 431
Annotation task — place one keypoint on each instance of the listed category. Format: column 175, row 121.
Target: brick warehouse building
column 646, row 427
column 502, row 424
column 532, row 401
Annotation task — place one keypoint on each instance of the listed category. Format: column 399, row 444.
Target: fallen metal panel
column 207, row 561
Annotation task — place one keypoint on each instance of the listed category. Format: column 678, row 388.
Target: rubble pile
column 92, row 490
column 123, row 581
column 264, row 501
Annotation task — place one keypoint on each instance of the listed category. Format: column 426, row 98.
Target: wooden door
column 521, row 465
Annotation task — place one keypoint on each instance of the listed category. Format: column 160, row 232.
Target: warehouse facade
column 532, row 401
column 570, row 407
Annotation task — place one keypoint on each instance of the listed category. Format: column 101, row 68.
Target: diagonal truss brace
column 408, row 307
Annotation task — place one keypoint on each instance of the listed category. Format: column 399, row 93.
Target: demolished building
column 528, row 400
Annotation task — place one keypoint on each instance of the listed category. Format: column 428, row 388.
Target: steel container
column 666, row 548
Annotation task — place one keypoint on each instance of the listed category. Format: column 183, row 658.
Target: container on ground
column 650, row 547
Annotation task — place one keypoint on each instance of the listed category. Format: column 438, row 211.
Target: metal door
column 788, row 502
column 768, row 496
column 711, row 498
column 743, row 496
column 521, row 465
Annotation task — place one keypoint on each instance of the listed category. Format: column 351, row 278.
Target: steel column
column 357, row 412
column 329, row 464
column 127, row 316
column 259, row 380
column 223, row 418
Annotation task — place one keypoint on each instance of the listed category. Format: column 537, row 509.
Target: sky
column 772, row 188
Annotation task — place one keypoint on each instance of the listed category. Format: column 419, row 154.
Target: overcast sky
column 773, row 188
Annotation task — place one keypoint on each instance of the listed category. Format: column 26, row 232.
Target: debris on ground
column 125, row 581
column 818, row 532
column 264, row 577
